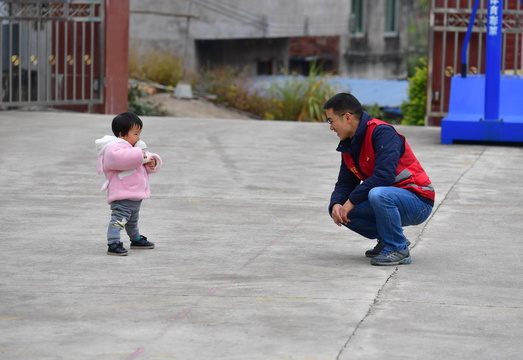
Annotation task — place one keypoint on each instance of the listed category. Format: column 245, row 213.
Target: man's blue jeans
column 385, row 214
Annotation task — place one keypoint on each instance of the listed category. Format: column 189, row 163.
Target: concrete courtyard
column 248, row 264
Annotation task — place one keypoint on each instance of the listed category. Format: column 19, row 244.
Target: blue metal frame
column 493, row 59
column 467, row 39
column 485, row 107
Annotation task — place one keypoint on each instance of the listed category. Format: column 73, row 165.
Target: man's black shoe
column 377, row 249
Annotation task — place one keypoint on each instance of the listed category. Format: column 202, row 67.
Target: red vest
column 409, row 174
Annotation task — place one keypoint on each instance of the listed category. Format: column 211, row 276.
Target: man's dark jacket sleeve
column 389, row 146
column 346, row 183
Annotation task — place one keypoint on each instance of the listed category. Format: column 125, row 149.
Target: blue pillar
column 493, row 59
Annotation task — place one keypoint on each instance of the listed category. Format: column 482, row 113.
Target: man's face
column 343, row 125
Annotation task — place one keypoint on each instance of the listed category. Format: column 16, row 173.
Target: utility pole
column 183, row 88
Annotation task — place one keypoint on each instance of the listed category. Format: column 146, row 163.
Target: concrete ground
column 248, row 264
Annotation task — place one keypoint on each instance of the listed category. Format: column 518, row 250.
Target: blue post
column 467, row 39
column 493, row 59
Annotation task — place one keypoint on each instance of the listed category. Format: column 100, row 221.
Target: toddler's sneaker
column 391, row 258
column 377, row 249
column 116, row 249
column 141, row 243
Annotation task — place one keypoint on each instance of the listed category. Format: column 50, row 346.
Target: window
column 357, row 17
column 265, row 67
column 391, row 22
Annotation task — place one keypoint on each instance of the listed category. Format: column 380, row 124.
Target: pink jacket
column 125, row 170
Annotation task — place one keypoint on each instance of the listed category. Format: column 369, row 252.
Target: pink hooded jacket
column 124, row 167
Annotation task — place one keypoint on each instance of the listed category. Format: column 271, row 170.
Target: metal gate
column 449, row 20
column 52, row 52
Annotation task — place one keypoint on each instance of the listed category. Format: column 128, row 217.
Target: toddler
column 126, row 163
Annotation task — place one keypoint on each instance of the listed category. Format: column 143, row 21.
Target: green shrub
column 297, row 98
column 162, row 67
column 375, row 111
column 137, row 104
column 415, row 109
column 378, row 112
column 301, row 99
column 231, row 87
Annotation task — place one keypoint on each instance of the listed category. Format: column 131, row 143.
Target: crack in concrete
column 376, row 299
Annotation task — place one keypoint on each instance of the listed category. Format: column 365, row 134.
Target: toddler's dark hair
column 124, row 122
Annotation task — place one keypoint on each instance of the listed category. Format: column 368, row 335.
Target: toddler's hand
column 152, row 163
column 146, row 157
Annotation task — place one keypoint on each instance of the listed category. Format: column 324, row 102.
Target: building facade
column 353, row 38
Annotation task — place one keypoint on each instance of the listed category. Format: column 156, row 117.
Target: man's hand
column 340, row 213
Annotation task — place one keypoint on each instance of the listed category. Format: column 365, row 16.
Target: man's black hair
column 342, row 103
column 124, row 122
